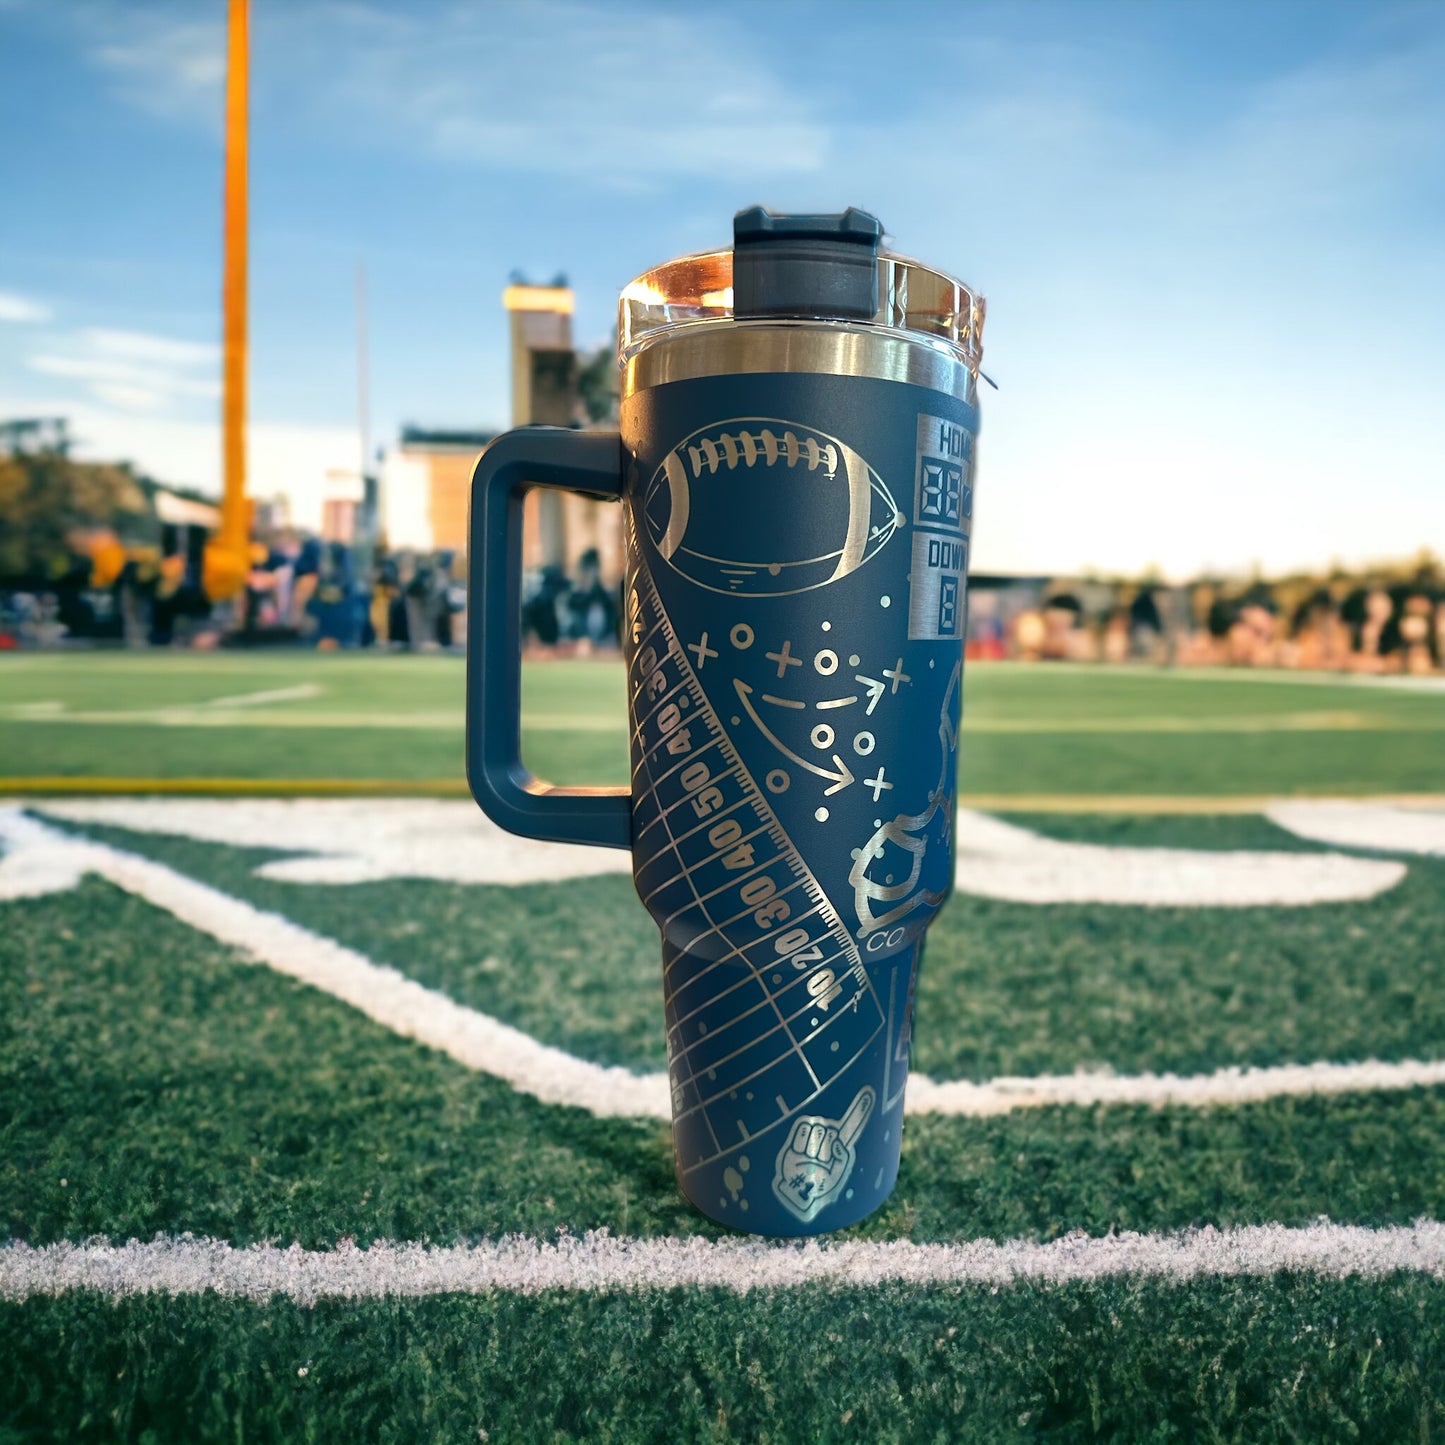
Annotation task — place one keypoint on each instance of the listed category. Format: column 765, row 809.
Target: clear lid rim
column 952, row 312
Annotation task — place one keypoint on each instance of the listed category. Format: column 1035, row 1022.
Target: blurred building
column 341, row 500
column 426, row 478
column 426, row 484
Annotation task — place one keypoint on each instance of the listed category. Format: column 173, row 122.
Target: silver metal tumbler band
column 824, row 348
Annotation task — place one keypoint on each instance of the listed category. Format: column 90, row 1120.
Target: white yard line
column 39, row 858
column 598, row 1262
column 382, row 994
column 1222, row 1087
column 259, row 699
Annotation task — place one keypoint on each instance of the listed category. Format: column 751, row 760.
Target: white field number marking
column 354, row 841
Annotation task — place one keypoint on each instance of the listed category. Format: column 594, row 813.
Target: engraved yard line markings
column 663, row 777
column 677, row 1027
column 786, row 1028
column 738, row 949
column 703, row 711
column 599, row 1262
column 488, row 1046
column 708, row 822
column 651, row 792
column 683, row 1019
column 735, row 880
column 809, row 1004
column 717, row 1143
column 839, row 779
column 660, row 702
column 717, row 928
column 703, row 714
column 753, row 1042
column 641, row 642
column 841, row 1067
column 785, row 1109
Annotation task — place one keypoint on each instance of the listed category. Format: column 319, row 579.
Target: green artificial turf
column 1282, row 1359
column 1028, row 729
column 1006, row 988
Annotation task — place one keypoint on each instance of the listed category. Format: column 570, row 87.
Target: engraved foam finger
column 853, row 1121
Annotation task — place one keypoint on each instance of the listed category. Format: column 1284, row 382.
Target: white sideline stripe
column 598, row 1261
column 479, row 1042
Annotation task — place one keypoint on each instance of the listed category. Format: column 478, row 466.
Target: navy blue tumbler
column 795, row 464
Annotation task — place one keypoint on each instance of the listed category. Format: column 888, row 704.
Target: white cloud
column 21, row 309
column 128, row 397
column 103, row 370
column 538, row 86
column 134, row 370
column 143, row 346
column 161, row 59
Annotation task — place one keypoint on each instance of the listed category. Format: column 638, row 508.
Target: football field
column 329, row 1112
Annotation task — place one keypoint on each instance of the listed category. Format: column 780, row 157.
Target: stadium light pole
column 228, row 558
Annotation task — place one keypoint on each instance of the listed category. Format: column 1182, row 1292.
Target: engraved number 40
column 679, row 740
column 724, row 835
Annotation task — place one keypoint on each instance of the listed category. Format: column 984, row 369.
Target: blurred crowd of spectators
column 1380, row 623
column 300, row 590
column 330, row 595
column 325, row 593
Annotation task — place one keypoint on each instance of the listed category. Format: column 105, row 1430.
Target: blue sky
column 1212, row 236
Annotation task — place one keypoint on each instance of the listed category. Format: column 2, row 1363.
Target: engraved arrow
column 875, row 688
column 839, row 780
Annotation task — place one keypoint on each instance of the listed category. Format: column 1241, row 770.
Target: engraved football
column 757, row 507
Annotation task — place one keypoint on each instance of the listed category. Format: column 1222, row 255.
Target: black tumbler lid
column 818, row 266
